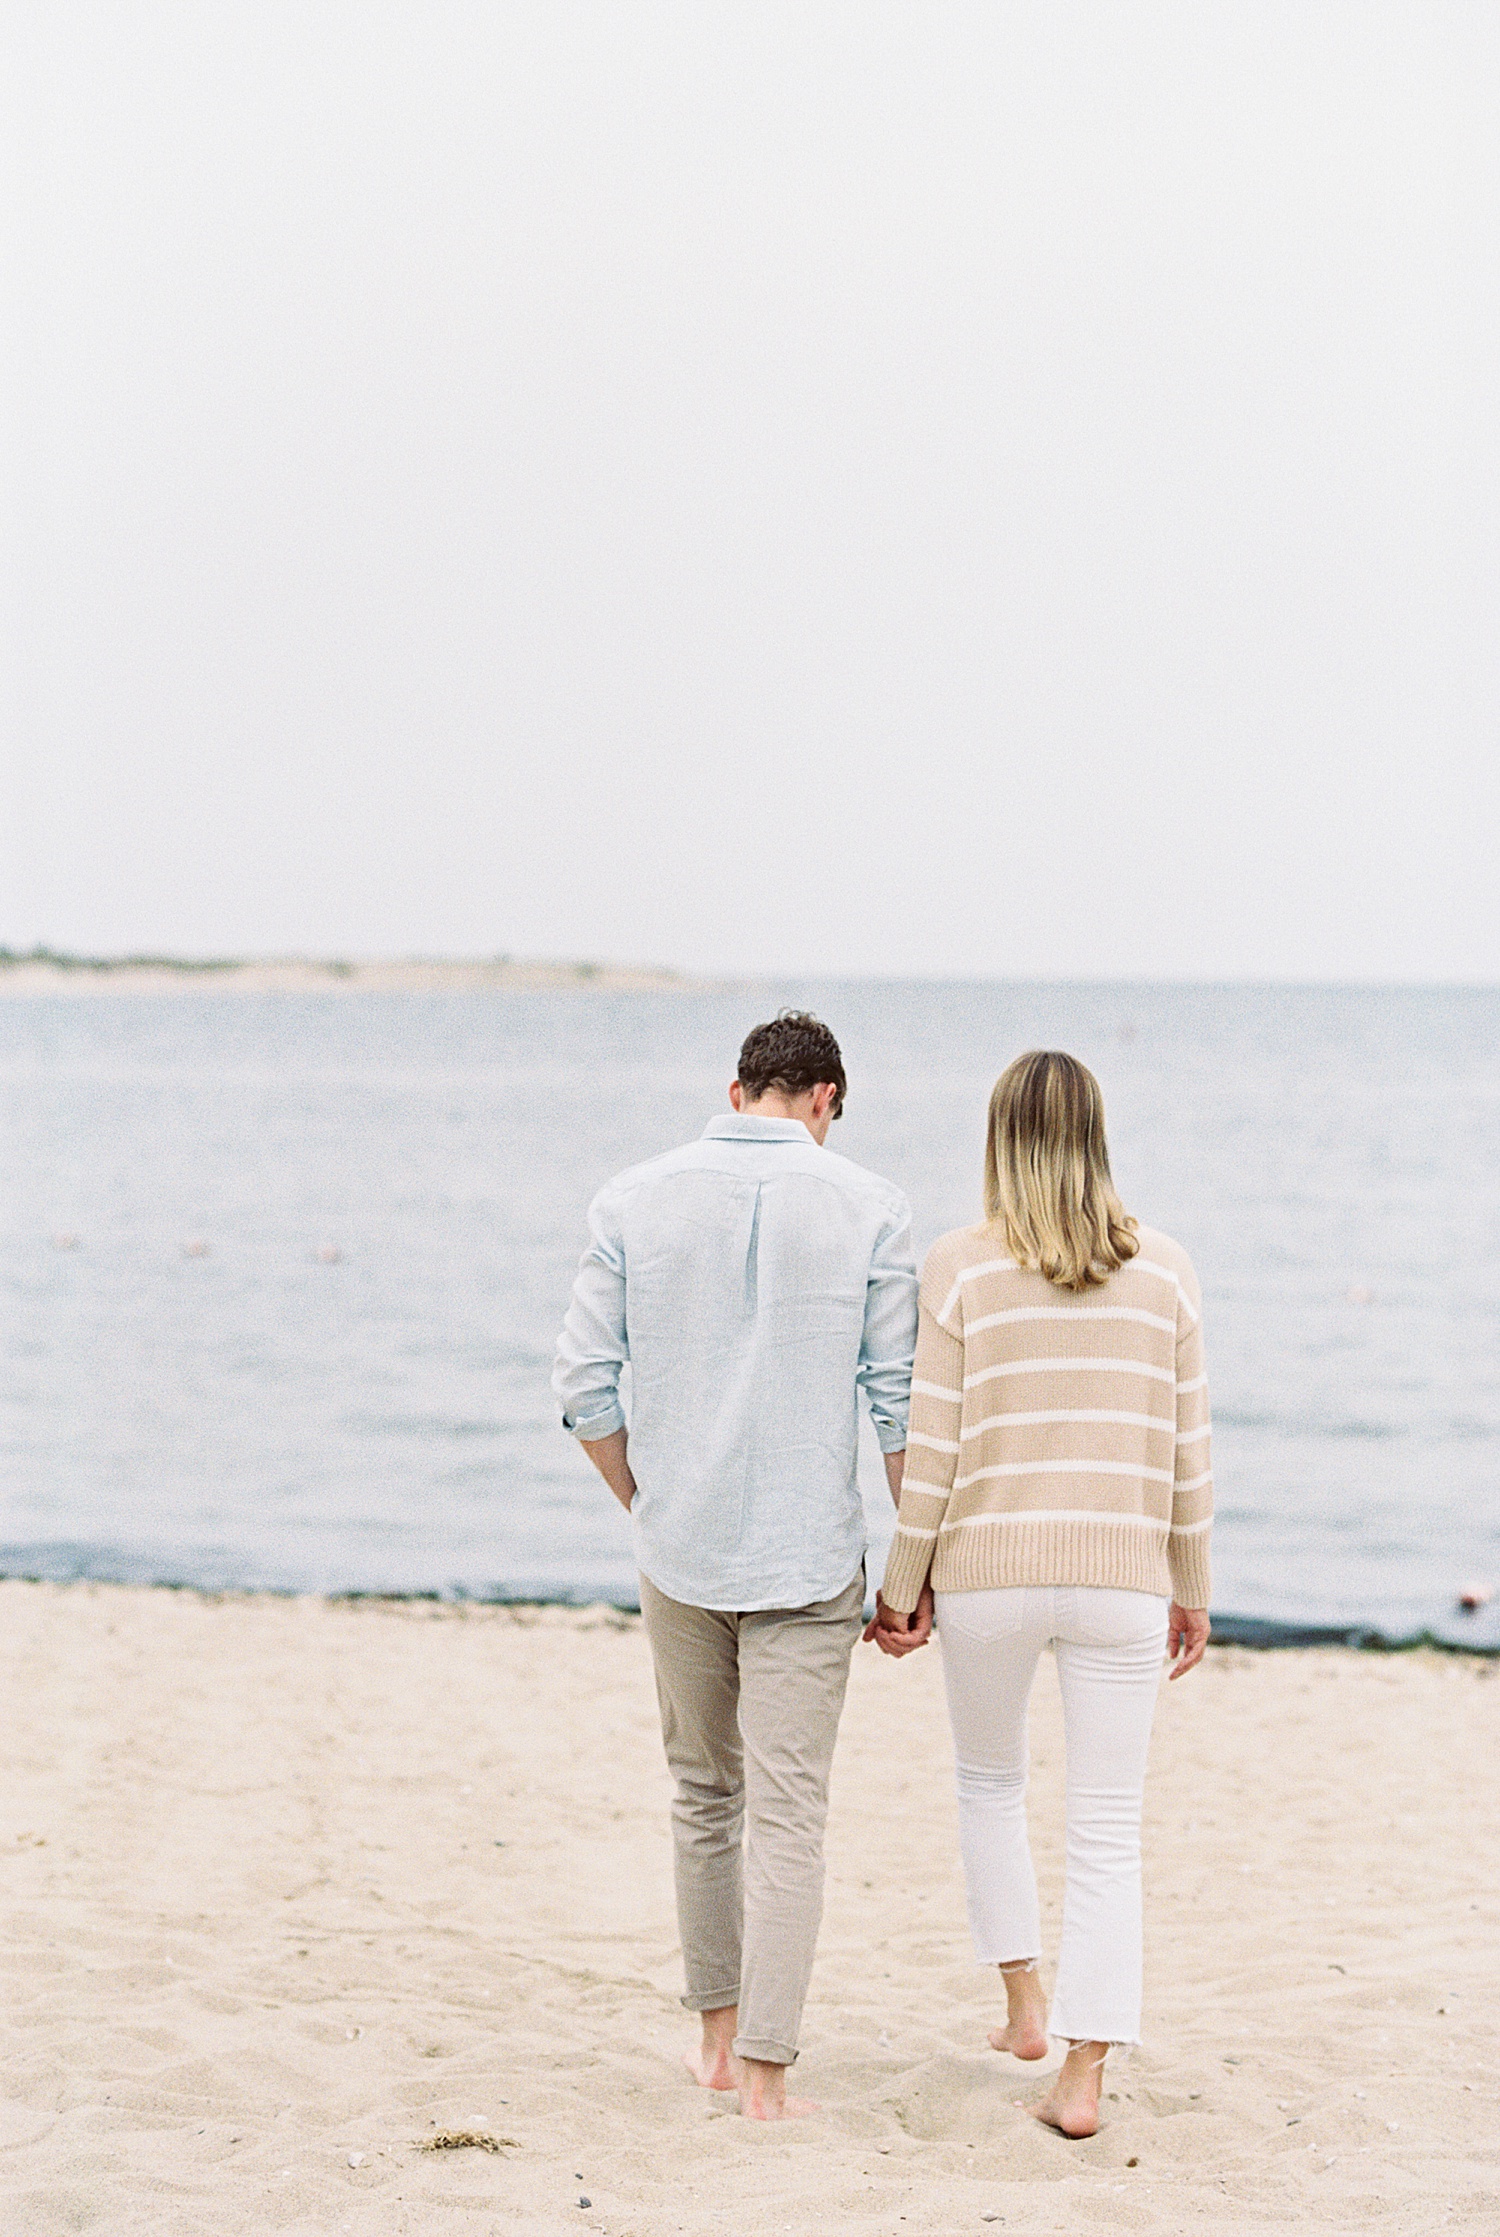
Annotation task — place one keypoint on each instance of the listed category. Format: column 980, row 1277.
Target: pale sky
column 978, row 490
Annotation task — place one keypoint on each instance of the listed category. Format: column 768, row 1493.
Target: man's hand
column 609, row 1457
column 1187, row 1636
column 896, row 1634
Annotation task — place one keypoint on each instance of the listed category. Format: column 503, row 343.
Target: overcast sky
column 931, row 489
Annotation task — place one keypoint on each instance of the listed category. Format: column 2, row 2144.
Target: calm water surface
column 347, row 1390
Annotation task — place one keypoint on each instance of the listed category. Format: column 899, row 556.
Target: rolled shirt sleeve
column 890, row 1332
column 594, row 1345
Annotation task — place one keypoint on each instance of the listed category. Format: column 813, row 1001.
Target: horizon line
column 585, row 968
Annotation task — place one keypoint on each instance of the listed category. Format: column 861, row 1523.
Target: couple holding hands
column 1041, row 1404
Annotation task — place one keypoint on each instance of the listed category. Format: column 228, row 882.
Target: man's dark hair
column 793, row 1053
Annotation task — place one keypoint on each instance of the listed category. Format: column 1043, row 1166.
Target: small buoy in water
column 329, row 1254
column 1475, row 1596
column 197, row 1248
column 1359, row 1295
column 65, row 1242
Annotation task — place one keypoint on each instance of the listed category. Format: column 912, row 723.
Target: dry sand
column 291, row 1886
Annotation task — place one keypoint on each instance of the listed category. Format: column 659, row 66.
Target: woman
column 1057, row 1488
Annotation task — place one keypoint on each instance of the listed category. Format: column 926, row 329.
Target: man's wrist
column 592, row 1429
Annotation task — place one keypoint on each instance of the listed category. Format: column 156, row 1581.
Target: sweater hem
column 1016, row 1549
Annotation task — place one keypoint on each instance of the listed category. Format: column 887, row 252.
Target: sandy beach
column 291, row 1888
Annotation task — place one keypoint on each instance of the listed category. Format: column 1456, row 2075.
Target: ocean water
column 343, row 1385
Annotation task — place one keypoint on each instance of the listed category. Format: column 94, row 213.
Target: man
column 754, row 1281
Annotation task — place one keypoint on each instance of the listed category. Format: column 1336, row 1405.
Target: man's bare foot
column 763, row 2093
column 713, row 2065
column 1072, row 2103
column 1024, row 2034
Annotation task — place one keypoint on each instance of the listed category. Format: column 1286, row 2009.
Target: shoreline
column 1258, row 1634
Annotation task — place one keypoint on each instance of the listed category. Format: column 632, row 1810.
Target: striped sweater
column 1057, row 1436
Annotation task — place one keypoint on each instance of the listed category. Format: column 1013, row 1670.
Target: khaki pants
column 749, row 1713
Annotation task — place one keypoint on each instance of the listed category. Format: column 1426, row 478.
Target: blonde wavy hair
column 1047, row 1181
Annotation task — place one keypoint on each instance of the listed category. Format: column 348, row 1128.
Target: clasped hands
column 896, row 1634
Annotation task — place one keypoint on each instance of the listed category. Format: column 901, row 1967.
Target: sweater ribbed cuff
column 1187, row 1558
column 906, row 1569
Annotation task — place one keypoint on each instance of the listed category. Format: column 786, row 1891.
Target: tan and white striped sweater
column 1057, row 1436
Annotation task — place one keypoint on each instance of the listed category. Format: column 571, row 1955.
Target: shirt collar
column 744, row 1126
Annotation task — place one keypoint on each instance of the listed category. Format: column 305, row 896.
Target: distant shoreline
column 43, row 971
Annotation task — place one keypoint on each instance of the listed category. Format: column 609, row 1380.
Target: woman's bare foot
column 763, row 2093
column 713, row 2065
column 1072, row 2103
column 1024, row 2034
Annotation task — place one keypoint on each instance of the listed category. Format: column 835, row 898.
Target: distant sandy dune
column 303, row 975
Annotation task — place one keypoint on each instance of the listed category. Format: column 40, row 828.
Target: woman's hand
column 887, row 1628
column 897, row 1634
column 1187, row 1636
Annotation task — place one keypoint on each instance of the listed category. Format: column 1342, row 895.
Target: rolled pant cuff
column 711, row 1999
column 1117, row 2038
column 763, row 2048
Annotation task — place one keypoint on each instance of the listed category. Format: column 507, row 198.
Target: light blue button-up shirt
column 754, row 1282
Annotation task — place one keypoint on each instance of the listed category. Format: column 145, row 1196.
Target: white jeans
column 1110, row 1646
